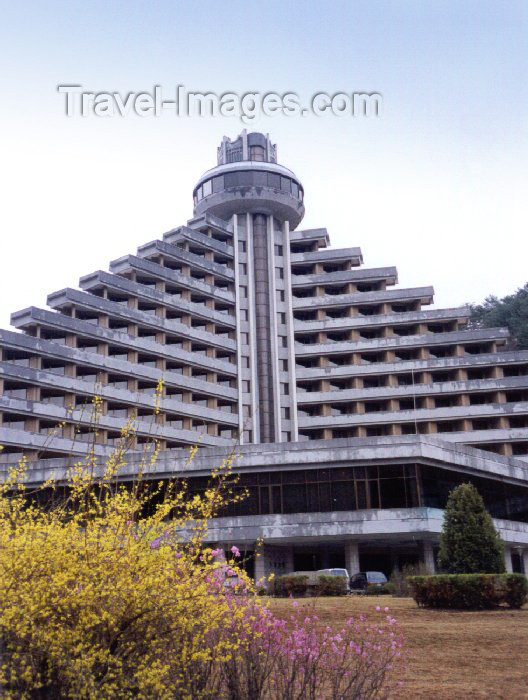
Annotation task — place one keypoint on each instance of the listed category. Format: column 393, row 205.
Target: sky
column 437, row 186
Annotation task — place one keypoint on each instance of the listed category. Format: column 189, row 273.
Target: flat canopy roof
column 303, row 455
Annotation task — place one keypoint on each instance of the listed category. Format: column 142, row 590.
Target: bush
column 113, row 593
column 516, row 590
column 469, row 543
column 295, row 586
column 372, row 589
column 331, row 585
column 103, row 595
column 399, row 580
column 469, row 591
column 300, row 657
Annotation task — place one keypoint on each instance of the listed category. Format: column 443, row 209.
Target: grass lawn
column 452, row 655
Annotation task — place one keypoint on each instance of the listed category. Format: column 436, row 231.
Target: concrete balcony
column 80, row 387
column 423, row 295
column 460, row 314
column 133, row 263
column 66, row 298
column 395, row 342
column 385, row 274
column 380, row 393
column 103, row 363
column 196, row 262
column 475, row 438
column 208, row 221
column 329, row 255
column 516, row 357
column 184, row 234
column 312, row 235
column 10, row 437
column 106, row 280
column 31, row 317
column 80, row 417
column 419, row 415
column 71, row 448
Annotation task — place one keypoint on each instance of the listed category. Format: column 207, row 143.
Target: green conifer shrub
column 469, row 543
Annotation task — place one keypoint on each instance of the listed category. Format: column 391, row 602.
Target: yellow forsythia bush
column 108, row 591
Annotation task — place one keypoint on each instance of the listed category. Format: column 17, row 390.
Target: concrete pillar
column 508, row 559
column 352, row 557
column 289, row 560
column 260, row 562
column 506, row 449
column 428, row 555
column 525, row 561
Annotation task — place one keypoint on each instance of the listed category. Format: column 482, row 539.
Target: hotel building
column 354, row 407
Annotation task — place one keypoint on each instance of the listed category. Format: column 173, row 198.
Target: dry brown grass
column 452, row 655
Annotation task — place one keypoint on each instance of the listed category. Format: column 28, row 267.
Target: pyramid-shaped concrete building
column 354, row 407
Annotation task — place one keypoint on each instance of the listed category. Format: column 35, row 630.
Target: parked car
column 336, row 572
column 360, row 582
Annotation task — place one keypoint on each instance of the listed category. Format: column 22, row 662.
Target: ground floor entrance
column 372, row 556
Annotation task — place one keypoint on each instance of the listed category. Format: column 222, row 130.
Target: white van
column 336, row 572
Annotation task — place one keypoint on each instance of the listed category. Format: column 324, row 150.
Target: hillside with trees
column 511, row 311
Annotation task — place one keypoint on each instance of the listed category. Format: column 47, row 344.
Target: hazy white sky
column 436, row 187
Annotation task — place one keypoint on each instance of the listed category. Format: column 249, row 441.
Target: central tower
column 263, row 201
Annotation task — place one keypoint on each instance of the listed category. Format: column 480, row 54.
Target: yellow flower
column 111, row 592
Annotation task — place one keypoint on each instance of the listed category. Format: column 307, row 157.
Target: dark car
column 360, row 582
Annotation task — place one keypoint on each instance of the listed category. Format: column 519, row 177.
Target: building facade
column 345, row 395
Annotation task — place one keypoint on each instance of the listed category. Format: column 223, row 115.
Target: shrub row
column 469, row 591
column 386, row 589
column 299, row 586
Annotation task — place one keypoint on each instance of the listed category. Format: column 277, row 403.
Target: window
column 274, row 181
column 234, row 155
column 285, row 389
column 281, row 317
column 242, row 268
column 242, row 246
column 207, row 188
column 280, row 295
column 286, row 184
column 257, row 153
column 278, row 250
column 279, row 272
column 218, row 183
column 336, row 489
